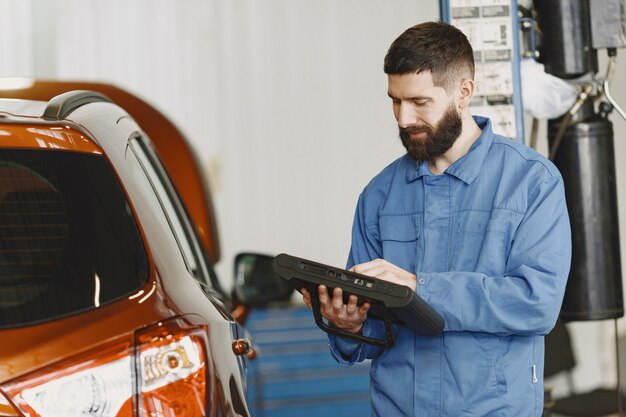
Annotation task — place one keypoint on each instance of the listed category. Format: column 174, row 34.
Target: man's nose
column 406, row 115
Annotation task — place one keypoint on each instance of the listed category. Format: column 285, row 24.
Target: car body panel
column 170, row 291
column 32, row 136
column 173, row 149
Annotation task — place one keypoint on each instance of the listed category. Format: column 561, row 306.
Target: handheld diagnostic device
column 391, row 303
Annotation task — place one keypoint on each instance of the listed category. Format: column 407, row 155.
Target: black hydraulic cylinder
column 585, row 158
column 566, row 44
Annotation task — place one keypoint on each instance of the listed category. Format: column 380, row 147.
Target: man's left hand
column 380, row 268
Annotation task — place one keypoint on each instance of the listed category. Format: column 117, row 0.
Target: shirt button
column 422, row 281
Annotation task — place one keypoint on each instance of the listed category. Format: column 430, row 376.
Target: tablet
column 390, row 302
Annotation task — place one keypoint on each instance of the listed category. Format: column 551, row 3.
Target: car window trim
column 207, row 278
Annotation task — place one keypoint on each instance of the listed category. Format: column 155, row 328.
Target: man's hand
column 348, row 317
column 380, row 268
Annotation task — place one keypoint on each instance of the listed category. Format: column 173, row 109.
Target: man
column 477, row 225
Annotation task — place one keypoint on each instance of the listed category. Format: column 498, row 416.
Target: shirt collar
column 467, row 167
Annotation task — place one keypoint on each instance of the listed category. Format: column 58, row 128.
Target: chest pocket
column 483, row 241
column 399, row 235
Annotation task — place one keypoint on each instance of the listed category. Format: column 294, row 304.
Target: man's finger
column 323, row 294
column 374, row 270
column 337, row 298
column 360, row 268
column 351, row 307
column 364, row 308
column 306, row 297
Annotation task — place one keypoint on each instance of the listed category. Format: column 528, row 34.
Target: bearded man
column 475, row 224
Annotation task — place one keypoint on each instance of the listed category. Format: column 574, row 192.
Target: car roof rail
column 61, row 106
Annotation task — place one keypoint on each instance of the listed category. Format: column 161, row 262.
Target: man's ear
column 466, row 92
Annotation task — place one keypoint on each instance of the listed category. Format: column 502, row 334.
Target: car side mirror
column 256, row 283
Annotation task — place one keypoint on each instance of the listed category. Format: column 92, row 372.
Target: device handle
column 388, row 342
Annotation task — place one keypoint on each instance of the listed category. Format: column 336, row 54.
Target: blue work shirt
column 489, row 241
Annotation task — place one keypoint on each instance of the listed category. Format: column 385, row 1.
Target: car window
column 68, row 238
column 177, row 218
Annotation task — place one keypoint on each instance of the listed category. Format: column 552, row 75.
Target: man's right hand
column 348, row 317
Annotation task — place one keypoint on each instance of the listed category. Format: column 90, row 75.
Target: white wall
column 285, row 102
column 16, row 31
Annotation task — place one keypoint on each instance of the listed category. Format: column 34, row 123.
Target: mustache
column 412, row 130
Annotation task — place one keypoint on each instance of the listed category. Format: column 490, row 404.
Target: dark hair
column 437, row 47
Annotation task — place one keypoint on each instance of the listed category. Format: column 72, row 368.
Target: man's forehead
column 413, row 85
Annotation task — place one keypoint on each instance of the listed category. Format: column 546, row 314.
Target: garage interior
column 285, row 105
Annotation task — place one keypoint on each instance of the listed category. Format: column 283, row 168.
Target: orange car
column 108, row 302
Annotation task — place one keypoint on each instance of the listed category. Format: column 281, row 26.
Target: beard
column 438, row 139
